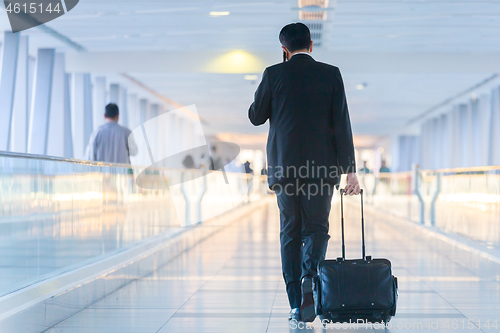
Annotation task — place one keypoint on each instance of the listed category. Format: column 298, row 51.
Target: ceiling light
column 361, row 86
column 219, row 13
column 251, row 77
column 237, row 61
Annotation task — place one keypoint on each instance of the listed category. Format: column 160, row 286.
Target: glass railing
column 57, row 215
column 465, row 202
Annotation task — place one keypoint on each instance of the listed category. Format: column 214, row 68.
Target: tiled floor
column 232, row 283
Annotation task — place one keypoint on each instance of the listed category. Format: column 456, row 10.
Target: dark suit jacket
column 310, row 130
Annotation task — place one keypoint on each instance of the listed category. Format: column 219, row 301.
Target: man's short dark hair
column 295, row 36
column 111, row 111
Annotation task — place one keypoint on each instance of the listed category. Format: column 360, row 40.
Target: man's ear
column 311, row 47
column 286, row 51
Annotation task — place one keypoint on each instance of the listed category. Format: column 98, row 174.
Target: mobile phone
column 284, row 56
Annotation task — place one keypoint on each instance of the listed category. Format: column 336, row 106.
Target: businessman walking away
column 309, row 147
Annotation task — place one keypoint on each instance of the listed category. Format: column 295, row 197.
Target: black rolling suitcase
column 358, row 291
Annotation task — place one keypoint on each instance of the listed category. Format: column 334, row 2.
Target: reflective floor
column 232, row 283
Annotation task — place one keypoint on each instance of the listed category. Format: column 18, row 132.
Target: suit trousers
column 304, row 210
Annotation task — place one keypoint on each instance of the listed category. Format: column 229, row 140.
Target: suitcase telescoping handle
column 362, row 224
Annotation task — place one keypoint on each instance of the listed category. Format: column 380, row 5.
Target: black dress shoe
column 294, row 314
column 307, row 311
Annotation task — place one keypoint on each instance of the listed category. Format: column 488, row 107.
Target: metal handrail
column 85, row 162
column 66, row 160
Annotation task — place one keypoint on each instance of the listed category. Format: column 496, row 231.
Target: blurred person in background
column 188, row 162
column 111, row 142
column 215, row 160
column 364, row 169
column 384, row 168
column 247, row 167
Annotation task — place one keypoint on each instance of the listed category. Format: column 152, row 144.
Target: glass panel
column 57, row 215
column 467, row 203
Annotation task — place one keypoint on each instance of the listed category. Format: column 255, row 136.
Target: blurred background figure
column 188, row 162
column 247, row 167
column 215, row 160
column 383, row 167
column 111, row 142
column 364, row 169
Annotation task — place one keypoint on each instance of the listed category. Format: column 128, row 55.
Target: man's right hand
column 352, row 187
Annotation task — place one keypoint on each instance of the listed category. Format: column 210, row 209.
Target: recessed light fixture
column 251, row 77
column 219, row 13
column 237, row 61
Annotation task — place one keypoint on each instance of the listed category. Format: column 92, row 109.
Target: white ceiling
column 397, row 28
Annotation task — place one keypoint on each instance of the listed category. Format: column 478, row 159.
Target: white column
column 464, row 135
column 404, row 153
column 429, row 149
column 31, row 84
column 81, row 115
column 153, row 135
column 171, row 133
column 425, row 145
column 450, row 136
column 88, row 124
column 444, row 148
column 395, row 163
column 182, row 133
column 20, row 115
column 190, row 136
column 454, row 142
column 474, row 131
column 161, row 131
column 143, row 109
column 495, row 125
column 114, row 93
column 55, row 146
column 415, row 151
column 435, row 144
column 100, row 98
column 484, row 110
column 133, row 111
column 431, row 140
column 7, row 86
column 123, row 106
column 40, row 107
column 68, row 135
column 152, row 111
column 143, row 155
